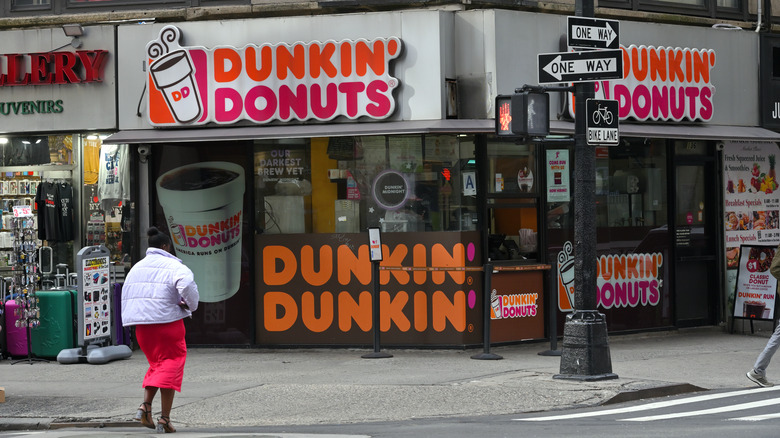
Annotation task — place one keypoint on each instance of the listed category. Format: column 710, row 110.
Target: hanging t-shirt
column 114, row 175
column 50, row 208
column 65, row 196
column 91, row 161
column 40, row 208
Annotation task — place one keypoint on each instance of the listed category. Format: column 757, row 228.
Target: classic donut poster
column 756, row 287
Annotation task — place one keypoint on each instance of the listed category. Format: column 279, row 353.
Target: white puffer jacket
column 154, row 287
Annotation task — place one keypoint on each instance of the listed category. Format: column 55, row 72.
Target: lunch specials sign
column 268, row 82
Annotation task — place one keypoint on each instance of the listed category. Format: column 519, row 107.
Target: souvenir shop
column 269, row 159
column 61, row 189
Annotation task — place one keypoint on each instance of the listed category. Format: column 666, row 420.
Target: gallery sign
column 263, row 83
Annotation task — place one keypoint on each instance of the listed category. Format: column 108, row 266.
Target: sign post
column 585, row 353
column 375, row 251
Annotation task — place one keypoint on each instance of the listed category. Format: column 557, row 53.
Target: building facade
column 268, row 146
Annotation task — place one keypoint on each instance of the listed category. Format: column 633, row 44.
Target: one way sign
column 593, row 33
column 580, row 66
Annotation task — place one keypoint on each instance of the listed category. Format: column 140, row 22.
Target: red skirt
column 166, row 352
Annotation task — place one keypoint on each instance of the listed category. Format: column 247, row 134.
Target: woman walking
column 158, row 293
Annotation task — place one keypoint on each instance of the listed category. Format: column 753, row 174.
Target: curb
column 661, row 391
column 93, row 424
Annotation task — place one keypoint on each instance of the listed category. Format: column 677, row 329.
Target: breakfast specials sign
column 751, row 196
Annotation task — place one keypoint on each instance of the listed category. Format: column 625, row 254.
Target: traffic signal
column 523, row 114
column 504, row 116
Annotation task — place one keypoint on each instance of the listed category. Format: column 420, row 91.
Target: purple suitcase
column 122, row 333
column 15, row 337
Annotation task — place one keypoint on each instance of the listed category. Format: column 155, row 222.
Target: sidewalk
column 254, row 387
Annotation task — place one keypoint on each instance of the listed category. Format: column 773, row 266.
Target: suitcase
column 55, row 332
column 122, row 333
column 15, row 337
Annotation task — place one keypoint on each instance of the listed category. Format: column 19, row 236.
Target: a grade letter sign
column 602, row 122
column 580, row 66
column 593, row 33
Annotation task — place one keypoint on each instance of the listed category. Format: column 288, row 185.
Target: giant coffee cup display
column 203, row 206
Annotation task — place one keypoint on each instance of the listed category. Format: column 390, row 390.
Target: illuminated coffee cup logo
column 173, row 74
column 203, row 205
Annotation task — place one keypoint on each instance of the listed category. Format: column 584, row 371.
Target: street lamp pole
column 585, row 353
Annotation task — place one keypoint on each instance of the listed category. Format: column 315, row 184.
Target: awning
column 458, row 126
column 682, row 132
column 455, row 126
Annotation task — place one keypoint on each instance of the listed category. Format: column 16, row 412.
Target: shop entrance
column 695, row 234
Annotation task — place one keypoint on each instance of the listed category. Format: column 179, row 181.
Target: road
column 725, row 413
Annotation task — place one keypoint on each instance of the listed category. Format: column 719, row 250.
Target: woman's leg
column 149, row 393
column 166, row 399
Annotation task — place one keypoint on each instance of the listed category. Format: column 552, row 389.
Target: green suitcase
column 56, row 330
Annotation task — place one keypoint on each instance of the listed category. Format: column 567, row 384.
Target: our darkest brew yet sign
column 390, row 190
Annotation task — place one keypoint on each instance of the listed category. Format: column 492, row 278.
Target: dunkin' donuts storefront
column 268, row 159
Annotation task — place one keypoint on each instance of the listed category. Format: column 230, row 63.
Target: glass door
column 695, row 238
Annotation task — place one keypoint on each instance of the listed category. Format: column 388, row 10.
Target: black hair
column 157, row 238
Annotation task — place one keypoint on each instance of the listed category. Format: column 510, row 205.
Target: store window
column 109, row 209
column 631, row 191
column 34, row 170
column 408, row 183
column 513, row 201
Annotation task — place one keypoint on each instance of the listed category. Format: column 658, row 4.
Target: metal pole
column 553, row 313
column 486, row 354
column 376, row 314
column 585, row 354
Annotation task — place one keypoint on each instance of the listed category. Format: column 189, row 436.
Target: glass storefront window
column 27, row 3
column 631, row 184
column 407, row 183
column 34, row 150
column 513, row 200
column 108, row 211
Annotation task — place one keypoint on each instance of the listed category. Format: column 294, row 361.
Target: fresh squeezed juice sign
column 756, row 287
column 661, row 83
column 751, row 197
column 267, row 82
column 625, row 280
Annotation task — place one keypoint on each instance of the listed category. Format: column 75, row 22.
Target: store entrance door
column 696, row 282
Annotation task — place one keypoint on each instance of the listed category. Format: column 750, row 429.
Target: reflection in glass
column 410, row 183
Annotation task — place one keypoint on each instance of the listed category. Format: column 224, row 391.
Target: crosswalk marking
column 650, row 406
column 756, row 417
column 718, row 410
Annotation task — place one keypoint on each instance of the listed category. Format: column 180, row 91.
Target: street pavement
column 283, row 387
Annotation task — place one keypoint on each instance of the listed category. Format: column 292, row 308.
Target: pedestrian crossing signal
column 523, row 114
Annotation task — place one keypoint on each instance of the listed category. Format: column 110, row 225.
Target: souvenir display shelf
column 25, row 274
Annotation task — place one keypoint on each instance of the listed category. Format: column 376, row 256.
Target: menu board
column 751, row 196
column 756, row 288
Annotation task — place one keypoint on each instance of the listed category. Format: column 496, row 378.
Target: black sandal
column 144, row 415
column 165, row 427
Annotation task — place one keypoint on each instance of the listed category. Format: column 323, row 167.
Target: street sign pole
column 585, row 353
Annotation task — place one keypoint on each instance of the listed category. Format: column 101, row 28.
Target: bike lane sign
column 602, row 122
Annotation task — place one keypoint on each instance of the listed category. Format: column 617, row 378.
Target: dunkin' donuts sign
column 662, row 84
column 267, row 82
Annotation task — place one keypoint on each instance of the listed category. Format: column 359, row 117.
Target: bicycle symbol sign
column 602, row 122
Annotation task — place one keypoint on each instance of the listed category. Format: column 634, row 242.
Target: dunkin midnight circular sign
column 390, row 190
